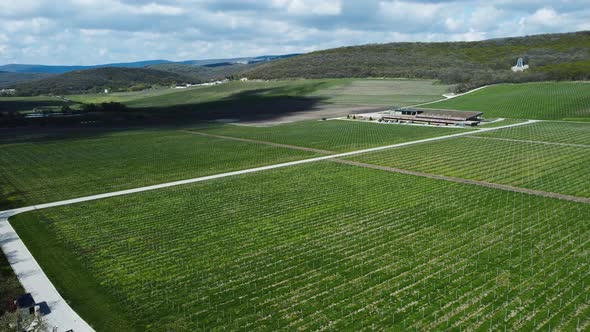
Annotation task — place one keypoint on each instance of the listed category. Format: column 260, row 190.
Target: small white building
column 520, row 66
column 7, row 92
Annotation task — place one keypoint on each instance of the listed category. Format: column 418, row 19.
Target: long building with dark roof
column 432, row 116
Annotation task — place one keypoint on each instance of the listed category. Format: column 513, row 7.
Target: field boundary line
column 248, row 140
column 35, row 281
column 530, row 141
column 504, row 187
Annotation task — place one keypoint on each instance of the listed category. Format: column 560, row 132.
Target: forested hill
column 550, row 56
column 96, row 80
column 204, row 73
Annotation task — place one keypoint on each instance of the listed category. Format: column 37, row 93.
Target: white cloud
column 408, row 10
column 79, row 31
column 307, row 7
column 453, row 24
column 157, row 9
column 544, row 17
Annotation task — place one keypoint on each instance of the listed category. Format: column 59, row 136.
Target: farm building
column 432, row 116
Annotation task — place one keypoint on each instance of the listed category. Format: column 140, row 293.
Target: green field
column 386, row 92
column 321, row 246
column 121, row 97
column 552, row 132
column 336, row 135
column 492, row 158
column 545, row 101
column 53, row 168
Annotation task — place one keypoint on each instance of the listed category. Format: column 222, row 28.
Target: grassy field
column 320, row 246
column 493, row 158
column 545, row 101
column 53, row 168
column 236, row 90
column 339, row 136
column 386, row 92
column 122, row 97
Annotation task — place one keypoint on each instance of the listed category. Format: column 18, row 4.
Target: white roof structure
column 520, row 66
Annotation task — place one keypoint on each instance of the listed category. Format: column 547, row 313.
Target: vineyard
column 45, row 169
column 483, row 231
column 339, row 136
column 551, row 132
column 323, row 246
column 493, row 157
column 545, row 101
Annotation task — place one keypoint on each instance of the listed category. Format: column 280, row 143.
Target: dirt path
column 247, row 140
column 530, row 141
column 468, row 181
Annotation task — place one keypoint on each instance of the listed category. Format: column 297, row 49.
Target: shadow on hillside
column 26, row 105
column 250, row 105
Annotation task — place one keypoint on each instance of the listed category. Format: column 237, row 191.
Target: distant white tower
column 520, row 66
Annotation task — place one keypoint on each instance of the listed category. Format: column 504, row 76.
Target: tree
column 17, row 322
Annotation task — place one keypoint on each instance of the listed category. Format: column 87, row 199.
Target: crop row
column 60, row 168
column 338, row 136
column 545, row 101
column 337, row 247
column 552, row 168
column 552, row 132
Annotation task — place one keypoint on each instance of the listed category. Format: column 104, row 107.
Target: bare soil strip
column 468, row 181
column 278, row 145
column 530, row 141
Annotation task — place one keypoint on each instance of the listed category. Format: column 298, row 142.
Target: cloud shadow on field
column 249, row 105
column 258, row 105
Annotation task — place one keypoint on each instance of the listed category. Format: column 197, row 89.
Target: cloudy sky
column 102, row 31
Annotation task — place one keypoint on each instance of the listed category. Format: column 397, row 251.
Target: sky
column 85, row 32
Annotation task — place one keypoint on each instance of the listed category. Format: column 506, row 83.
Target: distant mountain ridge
column 99, row 79
column 48, row 69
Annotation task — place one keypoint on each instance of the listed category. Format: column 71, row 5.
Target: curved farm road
column 62, row 316
column 31, row 276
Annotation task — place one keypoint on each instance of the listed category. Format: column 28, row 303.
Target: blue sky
column 102, row 31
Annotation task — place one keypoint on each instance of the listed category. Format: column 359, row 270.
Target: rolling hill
column 33, row 68
column 550, row 56
column 26, row 68
column 8, row 78
column 96, row 80
column 205, row 73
